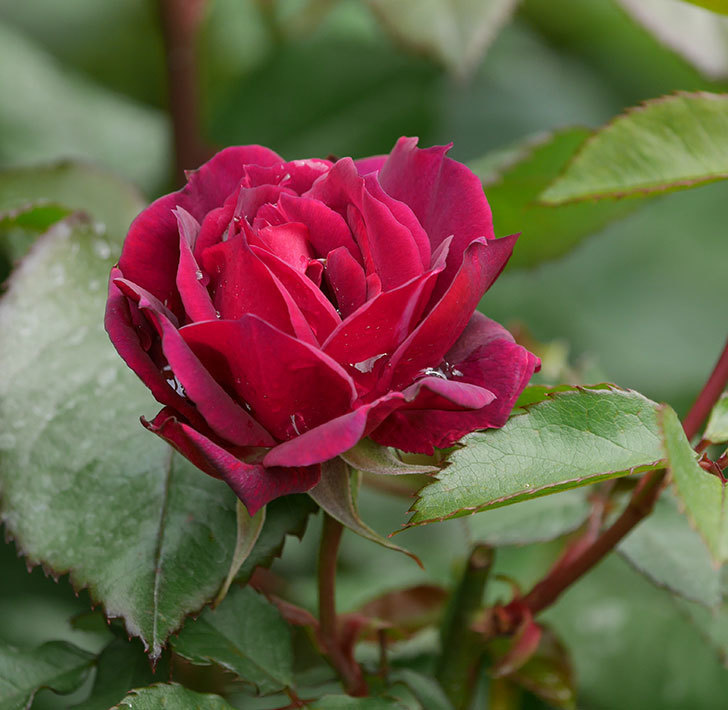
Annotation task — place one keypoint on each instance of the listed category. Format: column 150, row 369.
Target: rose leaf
column 716, row 432
column 334, row 495
column 670, row 143
column 514, row 180
column 245, row 634
column 85, row 489
column 171, row 695
column 571, row 439
column 701, row 493
column 56, row 665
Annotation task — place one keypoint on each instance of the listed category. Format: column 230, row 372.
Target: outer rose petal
column 254, row 484
column 151, row 248
column 364, row 166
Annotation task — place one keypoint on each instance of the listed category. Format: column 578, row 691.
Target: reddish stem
column 708, row 396
column 180, row 21
column 329, row 635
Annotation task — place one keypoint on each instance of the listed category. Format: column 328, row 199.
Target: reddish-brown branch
column 708, row 396
column 180, row 21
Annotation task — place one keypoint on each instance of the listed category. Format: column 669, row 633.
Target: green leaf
column 454, row 32
column 536, row 520
column 122, row 665
column 249, row 528
column 370, row 457
column 69, row 187
column 173, row 696
column 346, row 702
column 719, row 6
column 665, row 144
column 702, row 493
column 56, row 665
column 569, row 440
column 513, row 191
column 716, row 431
column 85, row 489
column 246, row 635
column 666, row 549
column 333, row 493
column 284, row 516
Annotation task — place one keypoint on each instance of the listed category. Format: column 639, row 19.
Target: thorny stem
column 640, row 506
column 180, row 20
column 348, row 669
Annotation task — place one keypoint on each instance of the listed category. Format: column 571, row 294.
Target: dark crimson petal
column 290, row 386
column 405, row 216
column 242, row 284
column 126, row 339
column 289, row 242
column 479, row 331
column 438, row 331
column 303, row 173
column 215, row 226
column 191, row 283
column 327, row 229
column 251, row 199
column 382, row 323
column 254, row 484
column 346, row 278
column 439, row 393
column 256, row 175
column 335, row 436
column 501, row 366
column 395, row 254
column 373, row 164
column 446, row 197
column 315, row 307
column 151, row 249
column 225, row 417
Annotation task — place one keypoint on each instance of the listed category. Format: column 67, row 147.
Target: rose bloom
column 282, row 311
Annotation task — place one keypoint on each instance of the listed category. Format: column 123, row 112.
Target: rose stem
column 349, row 670
column 180, row 20
column 642, row 502
column 462, row 647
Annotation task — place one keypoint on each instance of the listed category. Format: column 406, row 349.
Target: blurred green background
column 643, row 300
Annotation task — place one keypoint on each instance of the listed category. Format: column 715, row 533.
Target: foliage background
column 641, row 303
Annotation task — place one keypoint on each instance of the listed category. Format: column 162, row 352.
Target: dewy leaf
column 370, row 457
column 665, row 144
column 571, row 439
column 455, row 32
column 513, row 191
column 702, row 493
column 249, row 528
column 716, row 432
column 536, row 520
column 85, row 490
column 72, row 187
column 334, row 495
column 245, row 634
column 120, row 667
column 666, row 549
column 284, row 516
column 56, row 665
column 173, row 696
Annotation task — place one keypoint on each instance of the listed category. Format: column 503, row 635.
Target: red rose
column 282, row 311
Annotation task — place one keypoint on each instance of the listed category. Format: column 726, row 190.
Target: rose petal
column 289, row 242
column 303, row 173
column 254, row 484
column 372, row 164
column 347, row 280
column 150, row 254
column 290, row 386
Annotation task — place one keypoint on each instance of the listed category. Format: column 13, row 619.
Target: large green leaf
column 246, row 635
column 666, row 144
column 56, row 665
column 173, row 696
column 455, row 32
column 670, row 552
column 571, row 439
column 513, row 188
column 85, row 489
column 703, row 494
